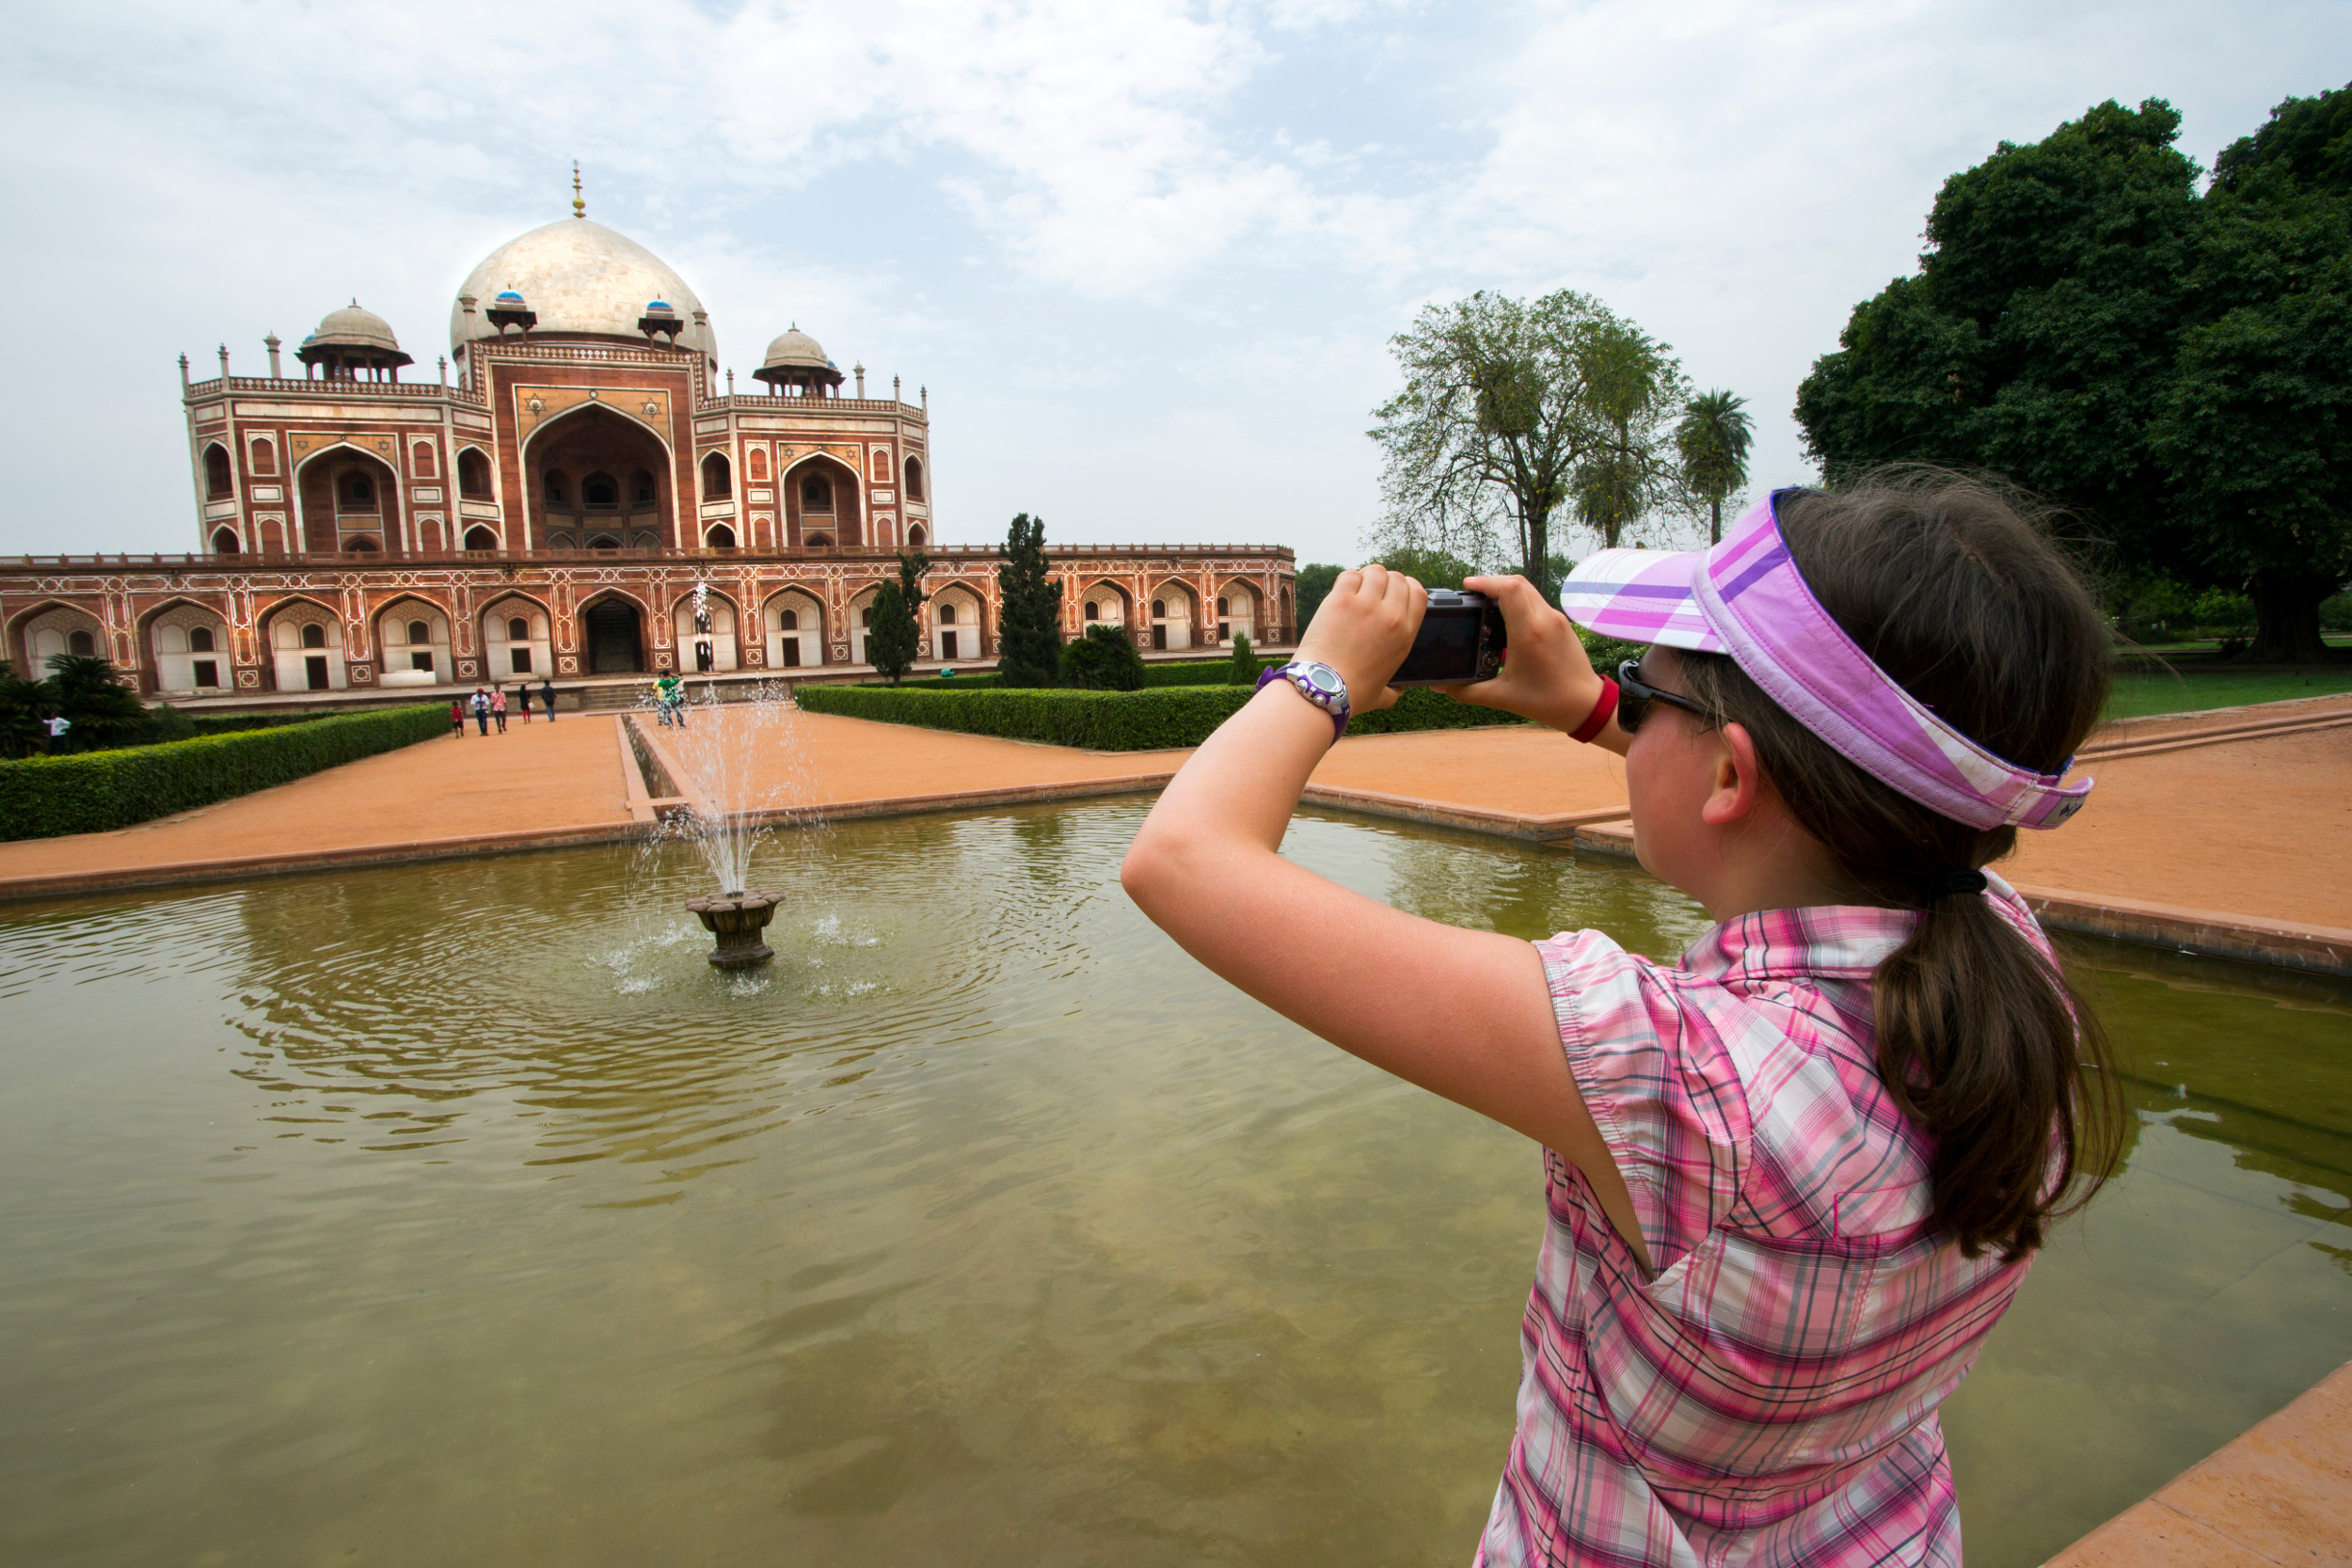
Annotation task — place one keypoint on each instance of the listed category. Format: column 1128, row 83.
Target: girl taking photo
column 1794, row 1177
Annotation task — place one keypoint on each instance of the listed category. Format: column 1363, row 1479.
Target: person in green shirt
column 669, row 701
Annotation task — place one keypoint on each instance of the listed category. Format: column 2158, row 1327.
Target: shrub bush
column 1244, row 668
column 1149, row 719
column 1102, row 660
column 91, row 792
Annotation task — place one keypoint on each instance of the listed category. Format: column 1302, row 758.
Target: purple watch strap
column 1283, row 672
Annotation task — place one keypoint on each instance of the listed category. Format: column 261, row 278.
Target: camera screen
column 1446, row 646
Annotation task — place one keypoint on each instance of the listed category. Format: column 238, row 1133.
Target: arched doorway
column 796, row 630
column 305, row 645
column 191, row 649
column 1236, row 613
column 576, row 466
column 956, row 625
column 1171, row 617
column 705, row 636
column 349, row 500
column 616, row 637
column 515, row 640
column 820, row 503
column 414, row 638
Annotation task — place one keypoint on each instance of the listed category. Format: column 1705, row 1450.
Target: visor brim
column 1640, row 596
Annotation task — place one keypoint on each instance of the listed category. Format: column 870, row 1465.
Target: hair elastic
column 1944, row 883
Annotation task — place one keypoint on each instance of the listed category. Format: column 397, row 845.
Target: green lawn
column 2194, row 690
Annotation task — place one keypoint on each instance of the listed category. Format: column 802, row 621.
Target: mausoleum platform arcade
column 355, row 615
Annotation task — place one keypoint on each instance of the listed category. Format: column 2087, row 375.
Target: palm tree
column 1713, row 438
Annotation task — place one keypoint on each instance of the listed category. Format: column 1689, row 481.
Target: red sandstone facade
column 553, row 510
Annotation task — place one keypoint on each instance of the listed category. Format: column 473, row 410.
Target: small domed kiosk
column 798, row 361
column 352, row 340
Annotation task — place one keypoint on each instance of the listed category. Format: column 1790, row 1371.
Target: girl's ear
column 1739, row 781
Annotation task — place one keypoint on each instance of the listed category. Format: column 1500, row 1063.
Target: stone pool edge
column 2279, row 1493
column 2209, row 933
column 642, row 823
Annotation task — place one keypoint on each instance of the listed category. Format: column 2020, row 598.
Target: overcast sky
column 1147, row 257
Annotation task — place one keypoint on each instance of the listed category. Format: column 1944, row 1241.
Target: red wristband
column 1602, row 712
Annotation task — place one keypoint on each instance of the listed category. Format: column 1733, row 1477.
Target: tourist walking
column 523, row 699
column 481, row 711
column 546, row 698
column 1794, row 1177
column 458, row 717
column 497, row 706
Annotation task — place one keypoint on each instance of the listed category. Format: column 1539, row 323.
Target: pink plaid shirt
column 1769, row 1397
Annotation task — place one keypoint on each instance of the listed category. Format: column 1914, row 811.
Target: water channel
column 464, row 1214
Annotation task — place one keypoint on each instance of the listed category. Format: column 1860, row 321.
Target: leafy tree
column 2040, row 331
column 896, row 638
column 1314, row 582
column 1246, row 665
column 2172, row 369
column 1102, row 661
column 1634, row 385
column 1505, row 401
column 1713, row 440
column 2255, row 425
column 1029, row 622
column 93, row 696
column 892, row 641
column 1430, row 568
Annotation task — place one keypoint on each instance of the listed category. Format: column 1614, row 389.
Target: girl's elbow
column 1145, row 871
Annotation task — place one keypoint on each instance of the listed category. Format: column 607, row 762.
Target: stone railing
column 754, row 403
column 295, row 386
column 959, row 554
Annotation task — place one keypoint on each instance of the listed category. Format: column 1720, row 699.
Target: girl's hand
column 1547, row 675
column 1364, row 628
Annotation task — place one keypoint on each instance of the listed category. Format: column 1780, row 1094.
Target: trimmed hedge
column 245, row 724
column 1208, row 673
column 91, row 792
column 1144, row 721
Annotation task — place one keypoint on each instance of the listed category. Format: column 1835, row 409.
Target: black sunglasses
column 1634, row 696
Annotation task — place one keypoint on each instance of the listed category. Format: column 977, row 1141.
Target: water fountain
column 737, row 766
column 737, row 920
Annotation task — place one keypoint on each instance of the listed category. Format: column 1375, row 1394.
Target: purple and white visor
column 1745, row 597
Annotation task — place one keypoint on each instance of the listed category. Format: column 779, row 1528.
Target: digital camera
column 1461, row 639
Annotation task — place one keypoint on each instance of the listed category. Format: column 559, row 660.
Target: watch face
column 1323, row 679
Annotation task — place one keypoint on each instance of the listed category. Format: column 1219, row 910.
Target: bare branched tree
column 1512, row 410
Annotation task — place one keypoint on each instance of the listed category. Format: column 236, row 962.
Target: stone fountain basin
column 737, row 919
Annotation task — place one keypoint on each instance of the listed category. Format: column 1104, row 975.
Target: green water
column 463, row 1215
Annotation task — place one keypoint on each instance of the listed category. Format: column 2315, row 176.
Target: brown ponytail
column 1956, row 591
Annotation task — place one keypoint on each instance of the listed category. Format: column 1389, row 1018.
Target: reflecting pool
column 464, row 1214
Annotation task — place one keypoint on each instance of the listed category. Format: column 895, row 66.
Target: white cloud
column 1167, row 234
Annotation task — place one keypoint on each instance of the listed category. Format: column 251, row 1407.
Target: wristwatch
column 1319, row 683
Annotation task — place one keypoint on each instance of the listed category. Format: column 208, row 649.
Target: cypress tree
column 1246, row 665
column 896, row 638
column 1028, row 625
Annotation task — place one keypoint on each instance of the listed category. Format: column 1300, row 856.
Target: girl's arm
column 1464, row 1014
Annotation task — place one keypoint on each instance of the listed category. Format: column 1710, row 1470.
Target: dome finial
column 580, row 205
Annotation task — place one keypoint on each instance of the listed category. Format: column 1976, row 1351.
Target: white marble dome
column 795, row 348
column 579, row 276
column 354, row 326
